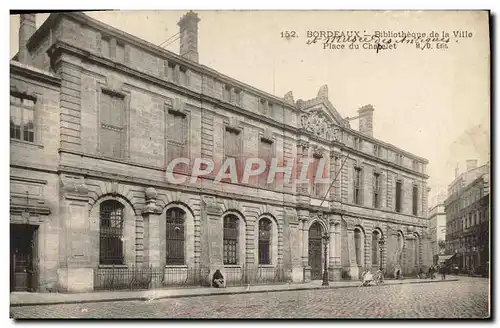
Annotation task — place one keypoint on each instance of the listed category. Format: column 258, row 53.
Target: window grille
column 175, row 219
column 111, row 232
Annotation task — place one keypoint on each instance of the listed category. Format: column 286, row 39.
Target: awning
column 444, row 258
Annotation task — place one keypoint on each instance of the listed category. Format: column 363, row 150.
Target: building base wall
column 76, row 280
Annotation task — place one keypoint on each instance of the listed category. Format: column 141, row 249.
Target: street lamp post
column 326, row 239
column 381, row 242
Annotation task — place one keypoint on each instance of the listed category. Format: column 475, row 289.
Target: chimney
column 366, row 120
column 471, row 164
column 27, row 27
column 189, row 36
column 456, row 172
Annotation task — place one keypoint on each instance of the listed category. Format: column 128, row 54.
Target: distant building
column 437, row 228
column 468, row 218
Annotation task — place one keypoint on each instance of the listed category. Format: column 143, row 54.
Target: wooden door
column 315, row 251
column 21, row 255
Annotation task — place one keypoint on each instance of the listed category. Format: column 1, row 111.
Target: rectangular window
column 22, row 118
column 415, row 200
column 266, row 152
column 316, row 188
column 105, row 47
column 177, row 138
column 227, row 93
column 120, row 53
column 357, row 143
column 376, row 190
column 398, row 195
column 232, row 148
column 415, row 165
column 237, row 97
column 358, row 185
column 112, row 117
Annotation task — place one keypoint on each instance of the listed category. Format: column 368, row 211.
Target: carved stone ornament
column 317, row 152
column 74, row 185
column 114, row 83
column 318, row 124
column 151, row 207
column 211, row 205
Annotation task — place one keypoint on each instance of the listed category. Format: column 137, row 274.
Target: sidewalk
column 25, row 298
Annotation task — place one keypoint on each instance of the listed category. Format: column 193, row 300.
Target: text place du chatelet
column 379, row 40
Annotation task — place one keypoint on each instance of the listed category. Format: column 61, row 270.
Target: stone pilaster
column 151, row 215
column 212, row 257
column 335, row 250
column 354, row 267
column 76, row 273
column 294, row 245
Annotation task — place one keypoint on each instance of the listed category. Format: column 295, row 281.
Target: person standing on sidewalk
column 443, row 271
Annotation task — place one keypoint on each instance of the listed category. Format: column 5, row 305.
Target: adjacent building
column 468, row 219
column 98, row 115
column 437, row 228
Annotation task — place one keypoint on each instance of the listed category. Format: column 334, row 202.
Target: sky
column 432, row 103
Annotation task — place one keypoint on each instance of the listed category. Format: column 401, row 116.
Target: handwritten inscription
column 379, row 40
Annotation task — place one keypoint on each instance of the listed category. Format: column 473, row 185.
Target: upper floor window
column 415, row 165
column 376, row 190
column 399, row 159
column 398, row 195
column 112, row 117
column 177, row 137
column 357, row 143
column 316, row 188
column 415, row 200
column 266, row 153
column 22, row 118
column 358, row 174
column 232, row 148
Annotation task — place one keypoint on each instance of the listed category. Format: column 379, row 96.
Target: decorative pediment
column 321, row 103
column 320, row 124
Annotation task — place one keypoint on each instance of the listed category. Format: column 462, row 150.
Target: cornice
column 63, row 47
column 34, row 73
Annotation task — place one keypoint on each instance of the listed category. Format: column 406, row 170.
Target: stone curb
column 216, row 293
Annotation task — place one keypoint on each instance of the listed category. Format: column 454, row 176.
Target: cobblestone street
column 466, row 298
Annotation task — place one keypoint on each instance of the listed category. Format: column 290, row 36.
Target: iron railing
column 141, row 278
column 260, row 275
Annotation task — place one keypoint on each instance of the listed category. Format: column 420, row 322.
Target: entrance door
column 315, row 251
column 23, row 271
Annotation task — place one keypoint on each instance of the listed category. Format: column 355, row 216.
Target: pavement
column 462, row 298
column 26, row 298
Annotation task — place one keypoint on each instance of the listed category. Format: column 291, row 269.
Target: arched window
column 111, row 232
column 230, row 246
column 265, row 227
column 175, row 236
column 375, row 249
column 357, row 245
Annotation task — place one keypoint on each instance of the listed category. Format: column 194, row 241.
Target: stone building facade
column 111, row 111
column 437, row 229
column 468, row 219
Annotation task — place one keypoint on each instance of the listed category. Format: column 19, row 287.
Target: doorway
column 315, row 244
column 23, row 257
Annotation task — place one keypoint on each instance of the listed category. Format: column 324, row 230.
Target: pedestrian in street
column 218, row 280
column 443, row 272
